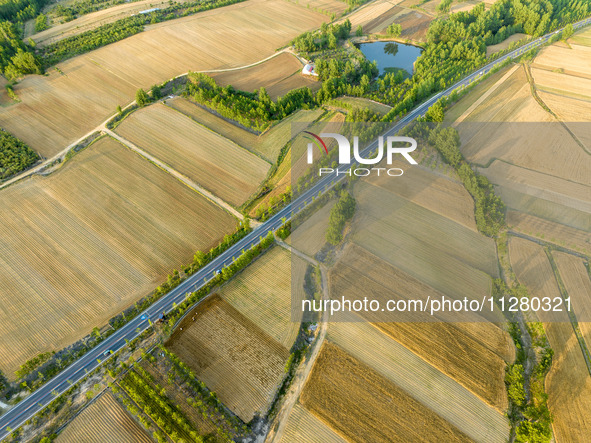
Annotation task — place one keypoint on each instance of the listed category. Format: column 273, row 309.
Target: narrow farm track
column 190, row 183
column 103, row 126
column 303, row 372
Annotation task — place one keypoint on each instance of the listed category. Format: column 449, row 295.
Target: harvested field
column 232, row 356
column 104, row 421
column 578, row 286
column 109, row 76
column 310, row 236
column 89, row 240
column 434, row 249
column 93, row 20
column 305, row 427
column 545, row 208
column 504, row 44
column 263, row 293
column 563, row 191
column 582, row 38
column 278, row 76
column 429, row 386
column 414, row 25
column 267, row 145
column 431, row 191
column 557, row 233
column 575, row 61
column 213, row 161
column 471, row 360
column 375, row 16
column 464, row 6
column 362, row 405
column 568, row 383
column 332, row 6
column 563, row 84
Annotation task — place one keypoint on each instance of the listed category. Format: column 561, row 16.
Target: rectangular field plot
column 104, row 421
column 305, row 427
column 278, row 76
column 232, row 356
column 213, row 161
column 445, row 255
column 262, row 293
column 423, row 382
column 268, row 144
column 79, row 246
column 362, row 405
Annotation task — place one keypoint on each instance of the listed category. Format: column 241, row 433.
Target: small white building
column 309, row 70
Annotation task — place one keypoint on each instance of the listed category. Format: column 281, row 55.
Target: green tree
column 359, row 31
column 568, row 31
column 141, row 97
column 394, row 30
column 156, row 92
column 435, row 113
column 41, row 23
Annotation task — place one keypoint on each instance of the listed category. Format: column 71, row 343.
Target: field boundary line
column 303, row 372
column 190, row 183
column 571, row 315
column 554, row 246
column 534, row 93
column 484, row 96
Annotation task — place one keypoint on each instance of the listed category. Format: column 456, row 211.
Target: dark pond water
column 391, row 56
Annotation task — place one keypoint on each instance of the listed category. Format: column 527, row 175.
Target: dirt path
column 103, row 126
column 187, row 181
column 299, row 380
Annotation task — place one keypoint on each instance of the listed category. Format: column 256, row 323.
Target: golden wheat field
column 263, row 293
column 362, row 405
column 460, row 356
column 89, row 240
column 309, row 236
column 234, row 357
column 325, row 6
column 575, row 59
column 431, row 191
column 214, row 162
column 268, row 144
column 568, row 383
column 103, row 421
column 577, row 283
column 93, row 20
column 304, row 427
column 562, row 84
column 562, row 235
column 109, row 76
column 443, row 254
column 278, row 76
column 425, row 383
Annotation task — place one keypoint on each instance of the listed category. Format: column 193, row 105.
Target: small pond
column 391, row 56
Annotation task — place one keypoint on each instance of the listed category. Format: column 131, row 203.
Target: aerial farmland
column 189, row 254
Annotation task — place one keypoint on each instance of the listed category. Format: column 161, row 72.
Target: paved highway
column 27, row 408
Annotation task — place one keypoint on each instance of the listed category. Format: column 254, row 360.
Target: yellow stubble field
column 234, row 357
column 278, row 76
column 65, row 105
column 361, row 404
column 89, row 240
column 214, row 162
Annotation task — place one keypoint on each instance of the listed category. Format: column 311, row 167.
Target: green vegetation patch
column 15, row 156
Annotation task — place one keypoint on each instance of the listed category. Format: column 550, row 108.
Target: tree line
column 489, row 208
column 341, row 213
column 254, row 110
column 126, row 27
